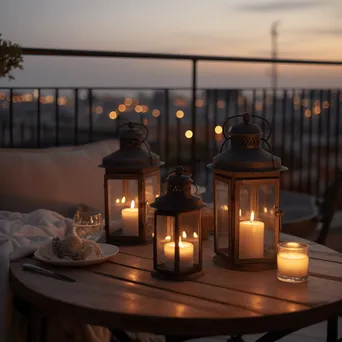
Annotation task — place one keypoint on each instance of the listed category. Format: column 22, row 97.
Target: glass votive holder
column 293, row 262
column 88, row 224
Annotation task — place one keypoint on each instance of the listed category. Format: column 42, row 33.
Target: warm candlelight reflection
column 184, row 235
column 195, row 235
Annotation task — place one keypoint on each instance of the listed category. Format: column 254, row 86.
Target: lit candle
column 186, row 254
column 251, row 238
column 293, row 262
column 130, row 218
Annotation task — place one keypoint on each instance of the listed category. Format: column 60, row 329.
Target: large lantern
column 131, row 184
column 177, row 253
column 246, row 199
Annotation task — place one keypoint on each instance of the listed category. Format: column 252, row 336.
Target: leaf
column 11, row 58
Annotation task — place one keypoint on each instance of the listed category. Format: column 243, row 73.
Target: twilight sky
column 308, row 29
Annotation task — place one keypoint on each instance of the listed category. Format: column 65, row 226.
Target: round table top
column 122, row 294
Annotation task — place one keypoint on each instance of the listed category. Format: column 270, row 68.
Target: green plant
column 10, row 58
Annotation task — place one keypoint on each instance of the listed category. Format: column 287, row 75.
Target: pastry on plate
column 71, row 248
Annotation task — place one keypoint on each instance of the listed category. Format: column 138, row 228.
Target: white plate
column 107, row 252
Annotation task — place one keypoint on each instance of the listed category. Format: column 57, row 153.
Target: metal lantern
column 177, row 253
column 246, row 199
column 131, row 184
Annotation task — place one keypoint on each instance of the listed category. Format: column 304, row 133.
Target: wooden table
column 121, row 294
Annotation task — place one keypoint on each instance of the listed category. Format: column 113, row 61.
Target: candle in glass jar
column 130, row 219
column 186, row 254
column 293, row 261
column 251, row 238
column 293, row 264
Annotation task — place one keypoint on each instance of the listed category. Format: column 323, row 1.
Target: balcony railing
column 184, row 123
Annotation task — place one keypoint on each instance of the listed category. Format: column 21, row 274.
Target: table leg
column 332, row 329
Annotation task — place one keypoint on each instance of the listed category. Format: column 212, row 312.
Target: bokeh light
column 113, row 115
column 189, row 134
column 218, row 129
column 179, row 114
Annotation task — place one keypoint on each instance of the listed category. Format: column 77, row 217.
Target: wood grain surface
column 122, row 294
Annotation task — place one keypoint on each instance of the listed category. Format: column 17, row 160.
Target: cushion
column 57, row 179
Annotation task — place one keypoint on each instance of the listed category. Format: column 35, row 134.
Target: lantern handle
column 225, row 123
column 131, row 125
column 251, row 115
column 149, row 151
column 269, row 146
column 174, row 171
column 224, row 144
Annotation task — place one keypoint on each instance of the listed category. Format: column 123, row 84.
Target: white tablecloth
column 20, row 235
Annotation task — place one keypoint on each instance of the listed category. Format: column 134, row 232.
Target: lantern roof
column 178, row 197
column 134, row 153
column 245, row 153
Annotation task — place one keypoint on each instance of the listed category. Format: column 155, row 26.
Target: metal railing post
column 193, row 118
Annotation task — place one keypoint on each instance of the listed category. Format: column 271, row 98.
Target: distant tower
column 274, row 54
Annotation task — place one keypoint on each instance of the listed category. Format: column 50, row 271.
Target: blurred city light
column 218, row 130
column 99, row 110
column 189, row 134
column 156, row 113
column 113, row 115
column 121, row 108
column 179, row 114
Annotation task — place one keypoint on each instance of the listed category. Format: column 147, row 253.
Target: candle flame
column 157, row 195
column 252, row 216
column 265, row 210
column 123, row 200
column 184, row 235
column 240, row 213
column 195, row 235
column 225, row 207
column 180, row 243
column 117, row 201
column 132, row 204
column 168, row 238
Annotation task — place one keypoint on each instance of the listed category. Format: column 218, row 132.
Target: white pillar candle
column 292, row 264
column 251, row 238
column 130, row 219
column 186, row 254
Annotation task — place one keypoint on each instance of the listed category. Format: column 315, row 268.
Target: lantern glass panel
column 189, row 229
column 222, row 218
column 165, row 227
column 152, row 185
column 256, row 220
column 123, row 204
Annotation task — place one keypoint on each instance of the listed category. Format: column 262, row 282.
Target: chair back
column 328, row 206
